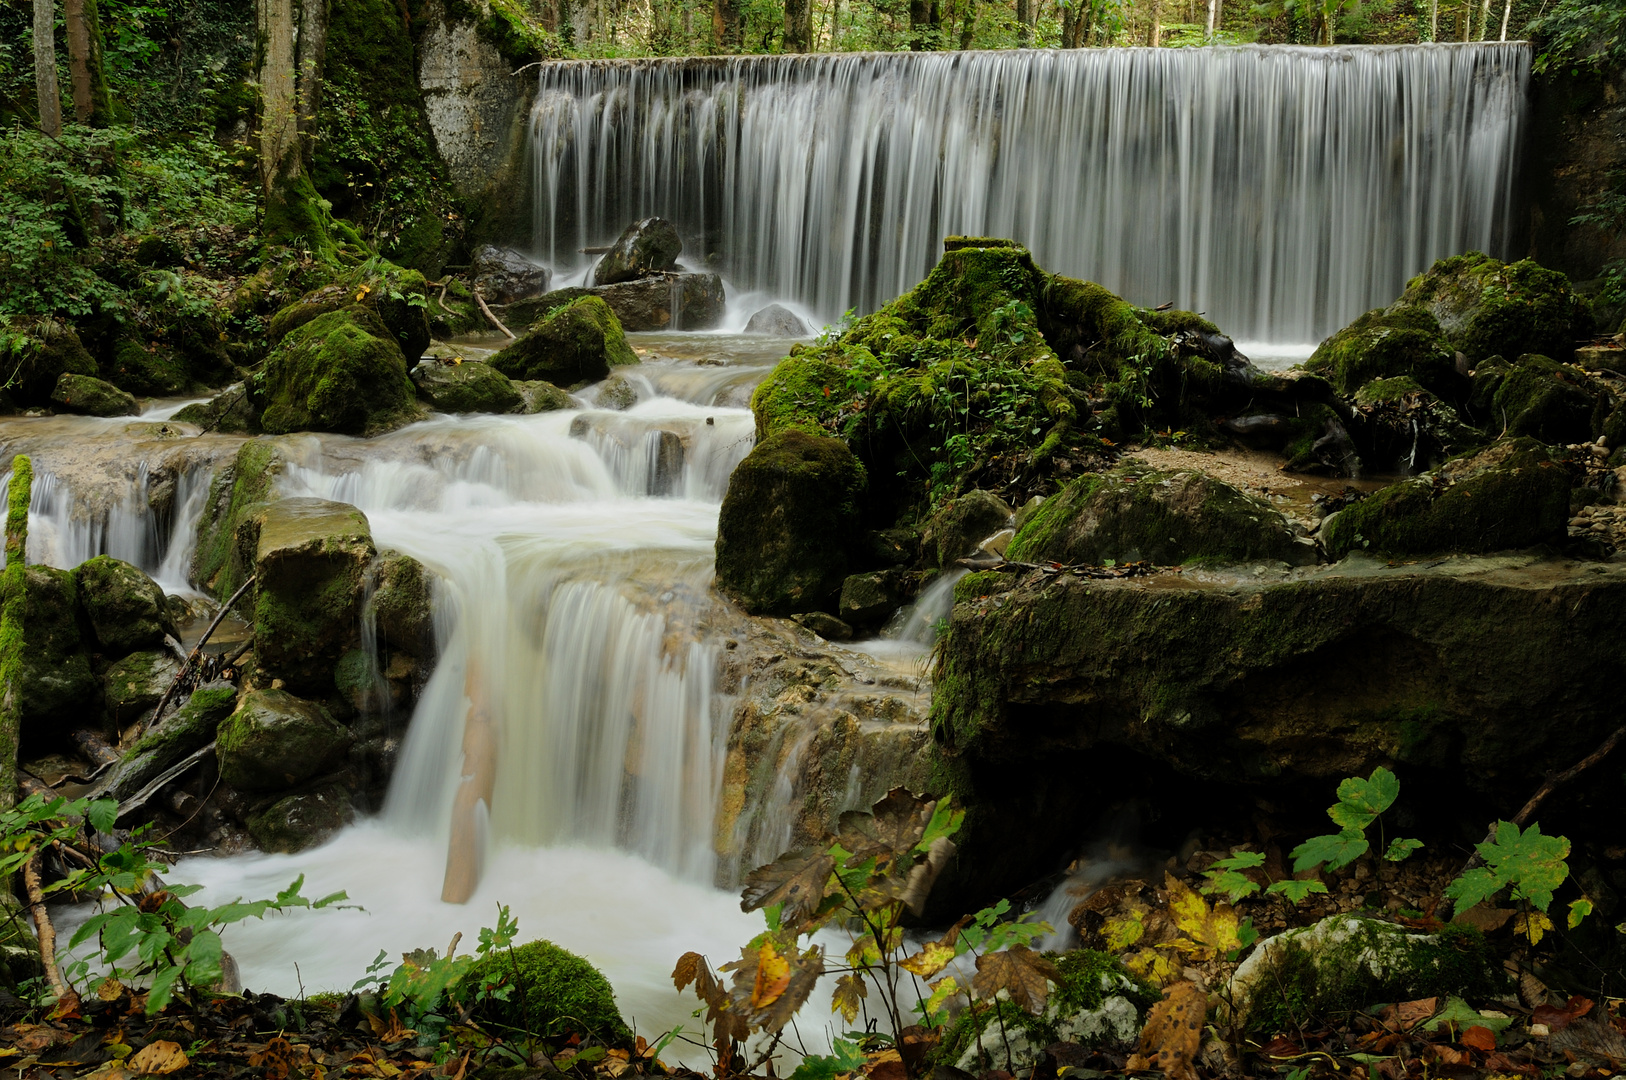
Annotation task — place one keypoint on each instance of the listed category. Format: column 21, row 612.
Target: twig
column 197, row 650
column 494, row 320
column 1552, row 784
column 44, row 929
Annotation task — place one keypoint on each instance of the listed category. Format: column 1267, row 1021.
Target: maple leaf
column 849, row 993
column 1335, row 849
column 1173, row 1034
column 931, row 959
column 1360, row 802
column 796, row 879
column 1479, row 1038
column 942, row 990
column 890, row 829
column 1531, row 863
column 687, row 969
column 805, row 970
column 1207, row 932
column 1020, row 972
column 772, row 976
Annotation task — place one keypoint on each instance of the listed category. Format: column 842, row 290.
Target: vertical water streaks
column 1283, row 190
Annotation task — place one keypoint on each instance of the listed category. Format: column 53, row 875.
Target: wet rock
column 235, row 493
column 1512, row 495
column 339, row 372
column 646, row 247
column 182, row 733
column 301, row 821
column 616, row 394
column 57, row 689
column 1398, row 342
column 1406, row 429
column 867, row 599
column 90, row 396
column 469, row 387
column 1485, row 307
column 669, row 301
column 776, row 320
column 275, row 740
column 399, row 301
column 503, row 275
column 789, row 516
column 1556, row 403
column 537, row 396
column 961, row 524
column 1168, row 519
column 126, row 608
column 401, row 603
column 309, row 556
column 825, row 625
column 134, row 685
column 229, row 412
column 58, row 351
column 666, row 477
column 573, row 345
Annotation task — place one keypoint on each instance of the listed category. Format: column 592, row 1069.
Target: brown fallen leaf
column 1484, row 918
column 1173, row 1034
column 1410, row 1013
column 1559, row 1018
column 1479, row 1038
column 1020, row 972
column 158, row 1058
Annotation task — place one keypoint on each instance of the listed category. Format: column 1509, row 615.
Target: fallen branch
column 197, row 650
column 139, row 799
column 494, row 320
column 45, row 931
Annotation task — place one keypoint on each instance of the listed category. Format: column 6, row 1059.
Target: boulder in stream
column 302, row 820
column 90, row 396
column 646, row 247
column 229, row 412
column 1399, row 342
column 960, row 524
column 398, row 300
column 182, row 733
column 339, row 372
column 467, row 387
column 504, row 275
column 134, row 685
column 57, row 689
column 276, row 740
column 1535, row 396
column 1485, row 307
column 666, row 301
column 570, row 346
column 126, row 608
column 777, row 320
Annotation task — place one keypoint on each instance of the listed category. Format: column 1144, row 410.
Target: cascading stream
column 1282, row 190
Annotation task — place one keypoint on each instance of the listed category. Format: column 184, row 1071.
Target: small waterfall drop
column 1283, row 190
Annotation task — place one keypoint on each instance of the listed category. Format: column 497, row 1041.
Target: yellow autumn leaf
column 1153, row 965
column 1122, row 931
column 1205, row 932
column 850, row 991
column 158, row 1058
column 773, row 975
column 942, row 990
column 929, row 960
column 1532, row 924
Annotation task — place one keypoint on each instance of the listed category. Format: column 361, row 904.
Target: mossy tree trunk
column 293, row 43
column 45, row 84
column 725, row 25
column 92, row 103
column 12, row 600
column 798, row 25
column 1024, row 22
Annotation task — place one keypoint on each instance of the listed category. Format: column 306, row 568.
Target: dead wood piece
column 139, row 799
column 481, row 300
column 197, row 651
column 45, row 931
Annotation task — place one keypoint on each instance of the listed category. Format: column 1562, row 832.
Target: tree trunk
column 1433, row 20
column 1484, row 19
column 835, row 24
column 50, row 96
column 968, row 26
column 725, row 26
column 924, row 20
column 12, row 602
column 1212, row 20
column 1507, row 13
column 1024, row 20
column 91, row 104
column 293, row 44
column 1154, row 34
column 798, row 25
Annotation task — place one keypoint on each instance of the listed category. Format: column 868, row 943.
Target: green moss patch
column 1486, row 307
column 575, row 344
column 554, row 993
column 340, row 372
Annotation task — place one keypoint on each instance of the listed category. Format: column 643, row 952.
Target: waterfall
column 1282, row 190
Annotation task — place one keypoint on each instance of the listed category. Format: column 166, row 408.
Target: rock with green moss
column 1344, row 963
column 468, row 387
column 538, row 396
column 867, row 599
column 276, row 740
column 1166, row 518
column 1399, row 342
column 148, row 368
column 400, row 603
column 789, row 520
column 570, row 346
column 339, row 372
column 301, row 821
column 235, row 493
column 56, row 690
column 90, row 396
column 55, row 350
column 1404, row 428
column 1512, row 495
column 1485, row 307
column 126, row 608
column 1535, row 396
column 398, row 298
column 310, row 558
column 134, row 685
column 181, row 734
column 960, row 524
column 229, row 412
column 643, row 248
column 555, row 993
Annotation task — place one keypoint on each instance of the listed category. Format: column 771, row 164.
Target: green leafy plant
column 1529, row 864
column 1361, row 804
column 427, row 992
column 1225, row 878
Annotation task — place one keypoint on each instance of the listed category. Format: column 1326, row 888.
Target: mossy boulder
column 867, row 599
column 149, row 368
column 56, row 351
column 229, row 412
column 135, row 684
column 1404, row 428
column 275, row 740
column 1400, row 342
column 1512, row 495
column 183, row 732
column 555, row 993
column 339, row 372
column 126, row 608
column 643, row 248
column 788, row 522
column 570, row 346
column 469, row 387
column 1485, row 307
column 301, row 821
column 1535, row 396
column 400, row 603
column 234, row 494
column 1167, row 518
column 960, row 524
column 1344, row 963
column 398, row 298
column 57, row 690
column 90, row 396
column 538, row 396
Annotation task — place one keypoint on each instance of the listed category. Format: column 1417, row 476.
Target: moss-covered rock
column 1486, row 307
column 301, row 821
column 1344, row 963
column 275, row 740
column 554, row 993
column 469, row 387
column 867, row 599
column 538, row 396
column 90, row 396
column 339, row 372
column 229, row 412
column 310, row 558
column 1399, row 342
column 645, row 247
column 55, row 350
column 570, row 346
column 149, row 368
column 134, row 684
column 401, row 603
column 183, row 732
column 1512, row 495
column 234, row 494
column 56, row 690
column 788, row 522
column 126, row 608
column 1556, row 403
column 960, row 524
column 1167, row 518
column 397, row 298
